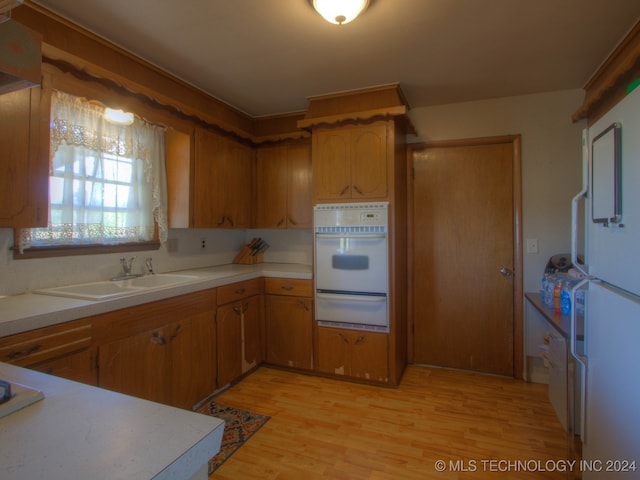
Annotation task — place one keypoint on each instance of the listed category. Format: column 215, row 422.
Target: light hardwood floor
column 331, row 429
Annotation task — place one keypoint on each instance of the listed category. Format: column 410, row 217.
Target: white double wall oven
column 352, row 265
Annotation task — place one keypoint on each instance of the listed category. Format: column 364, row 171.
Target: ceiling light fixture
column 340, row 12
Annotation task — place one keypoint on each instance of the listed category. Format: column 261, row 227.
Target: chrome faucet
column 126, row 266
column 149, row 266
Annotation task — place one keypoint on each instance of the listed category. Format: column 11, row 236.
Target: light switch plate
column 532, row 245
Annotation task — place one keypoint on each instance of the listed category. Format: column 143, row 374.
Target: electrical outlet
column 532, row 245
column 203, row 242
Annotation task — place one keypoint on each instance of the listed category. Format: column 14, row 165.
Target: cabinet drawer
column 37, row 346
column 288, row 286
column 237, row 291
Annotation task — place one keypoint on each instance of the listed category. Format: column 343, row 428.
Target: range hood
column 20, row 56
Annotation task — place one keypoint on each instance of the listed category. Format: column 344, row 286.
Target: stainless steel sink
column 113, row 289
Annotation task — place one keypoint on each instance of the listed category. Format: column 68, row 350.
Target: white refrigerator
column 609, row 358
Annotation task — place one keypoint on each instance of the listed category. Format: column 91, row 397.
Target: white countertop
column 83, row 432
column 21, row 313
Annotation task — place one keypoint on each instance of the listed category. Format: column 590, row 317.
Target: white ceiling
column 267, row 56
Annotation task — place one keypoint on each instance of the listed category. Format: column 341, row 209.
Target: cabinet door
column 299, row 203
column 237, row 187
column 136, row 365
column 333, row 351
column 75, row 366
column 252, row 349
column 369, row 162
column 369, row 356
column 331, row 166
column 271, row 187
column 229, row 343
column 288, row 335
column 353, row 354
column 209, row 183
column 24, row 158
column 63, row 350
column 193, row 362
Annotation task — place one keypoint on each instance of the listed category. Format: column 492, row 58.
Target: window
column 107, row 181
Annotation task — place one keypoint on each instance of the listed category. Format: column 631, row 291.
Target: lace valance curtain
column 107, row 181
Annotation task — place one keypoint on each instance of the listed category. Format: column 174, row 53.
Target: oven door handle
column 351, row 235
column 352, row 298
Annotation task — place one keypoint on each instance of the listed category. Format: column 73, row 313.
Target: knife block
column 245, row 257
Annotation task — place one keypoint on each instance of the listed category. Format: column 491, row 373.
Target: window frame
column 50, row 251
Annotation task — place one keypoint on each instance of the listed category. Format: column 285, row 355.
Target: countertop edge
column 163, row 442
column 30, row 311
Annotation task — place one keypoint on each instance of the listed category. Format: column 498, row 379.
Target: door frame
column 518, row 330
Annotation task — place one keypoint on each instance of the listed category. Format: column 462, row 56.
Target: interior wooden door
column 463, row 224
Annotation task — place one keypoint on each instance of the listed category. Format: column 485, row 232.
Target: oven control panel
column 351, row 215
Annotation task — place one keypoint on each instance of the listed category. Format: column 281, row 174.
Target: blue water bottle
column 565, row 299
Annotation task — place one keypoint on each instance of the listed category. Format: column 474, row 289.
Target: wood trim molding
column 608, row 84
column 353, row 117
column 70, row 47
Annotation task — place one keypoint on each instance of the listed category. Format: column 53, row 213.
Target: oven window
column 350, row 262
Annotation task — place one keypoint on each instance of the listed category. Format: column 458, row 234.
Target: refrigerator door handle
column 574, row 232
column 582, row 195
column 581, row 358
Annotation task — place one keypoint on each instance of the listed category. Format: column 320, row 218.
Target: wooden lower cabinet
column 162, row 351
column 289, row 322
column 62, row 350
column 288, row 331
column 239, row 326
column 352, row 353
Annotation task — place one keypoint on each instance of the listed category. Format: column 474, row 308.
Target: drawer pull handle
column 177, row 331
column 240, row 291
column 287, row 287
column 158, row 339
column 344, row 190
column 15, row 355
column 358, row 191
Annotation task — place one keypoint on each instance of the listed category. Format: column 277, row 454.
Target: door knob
column 506, row 272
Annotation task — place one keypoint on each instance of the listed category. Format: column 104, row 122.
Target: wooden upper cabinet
column 369, row 162
column 24, row 158
column 283, row 186
column 351, row 163
column 221, row 182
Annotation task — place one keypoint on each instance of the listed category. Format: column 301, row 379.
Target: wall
column 221, row 246
column 551, row 159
